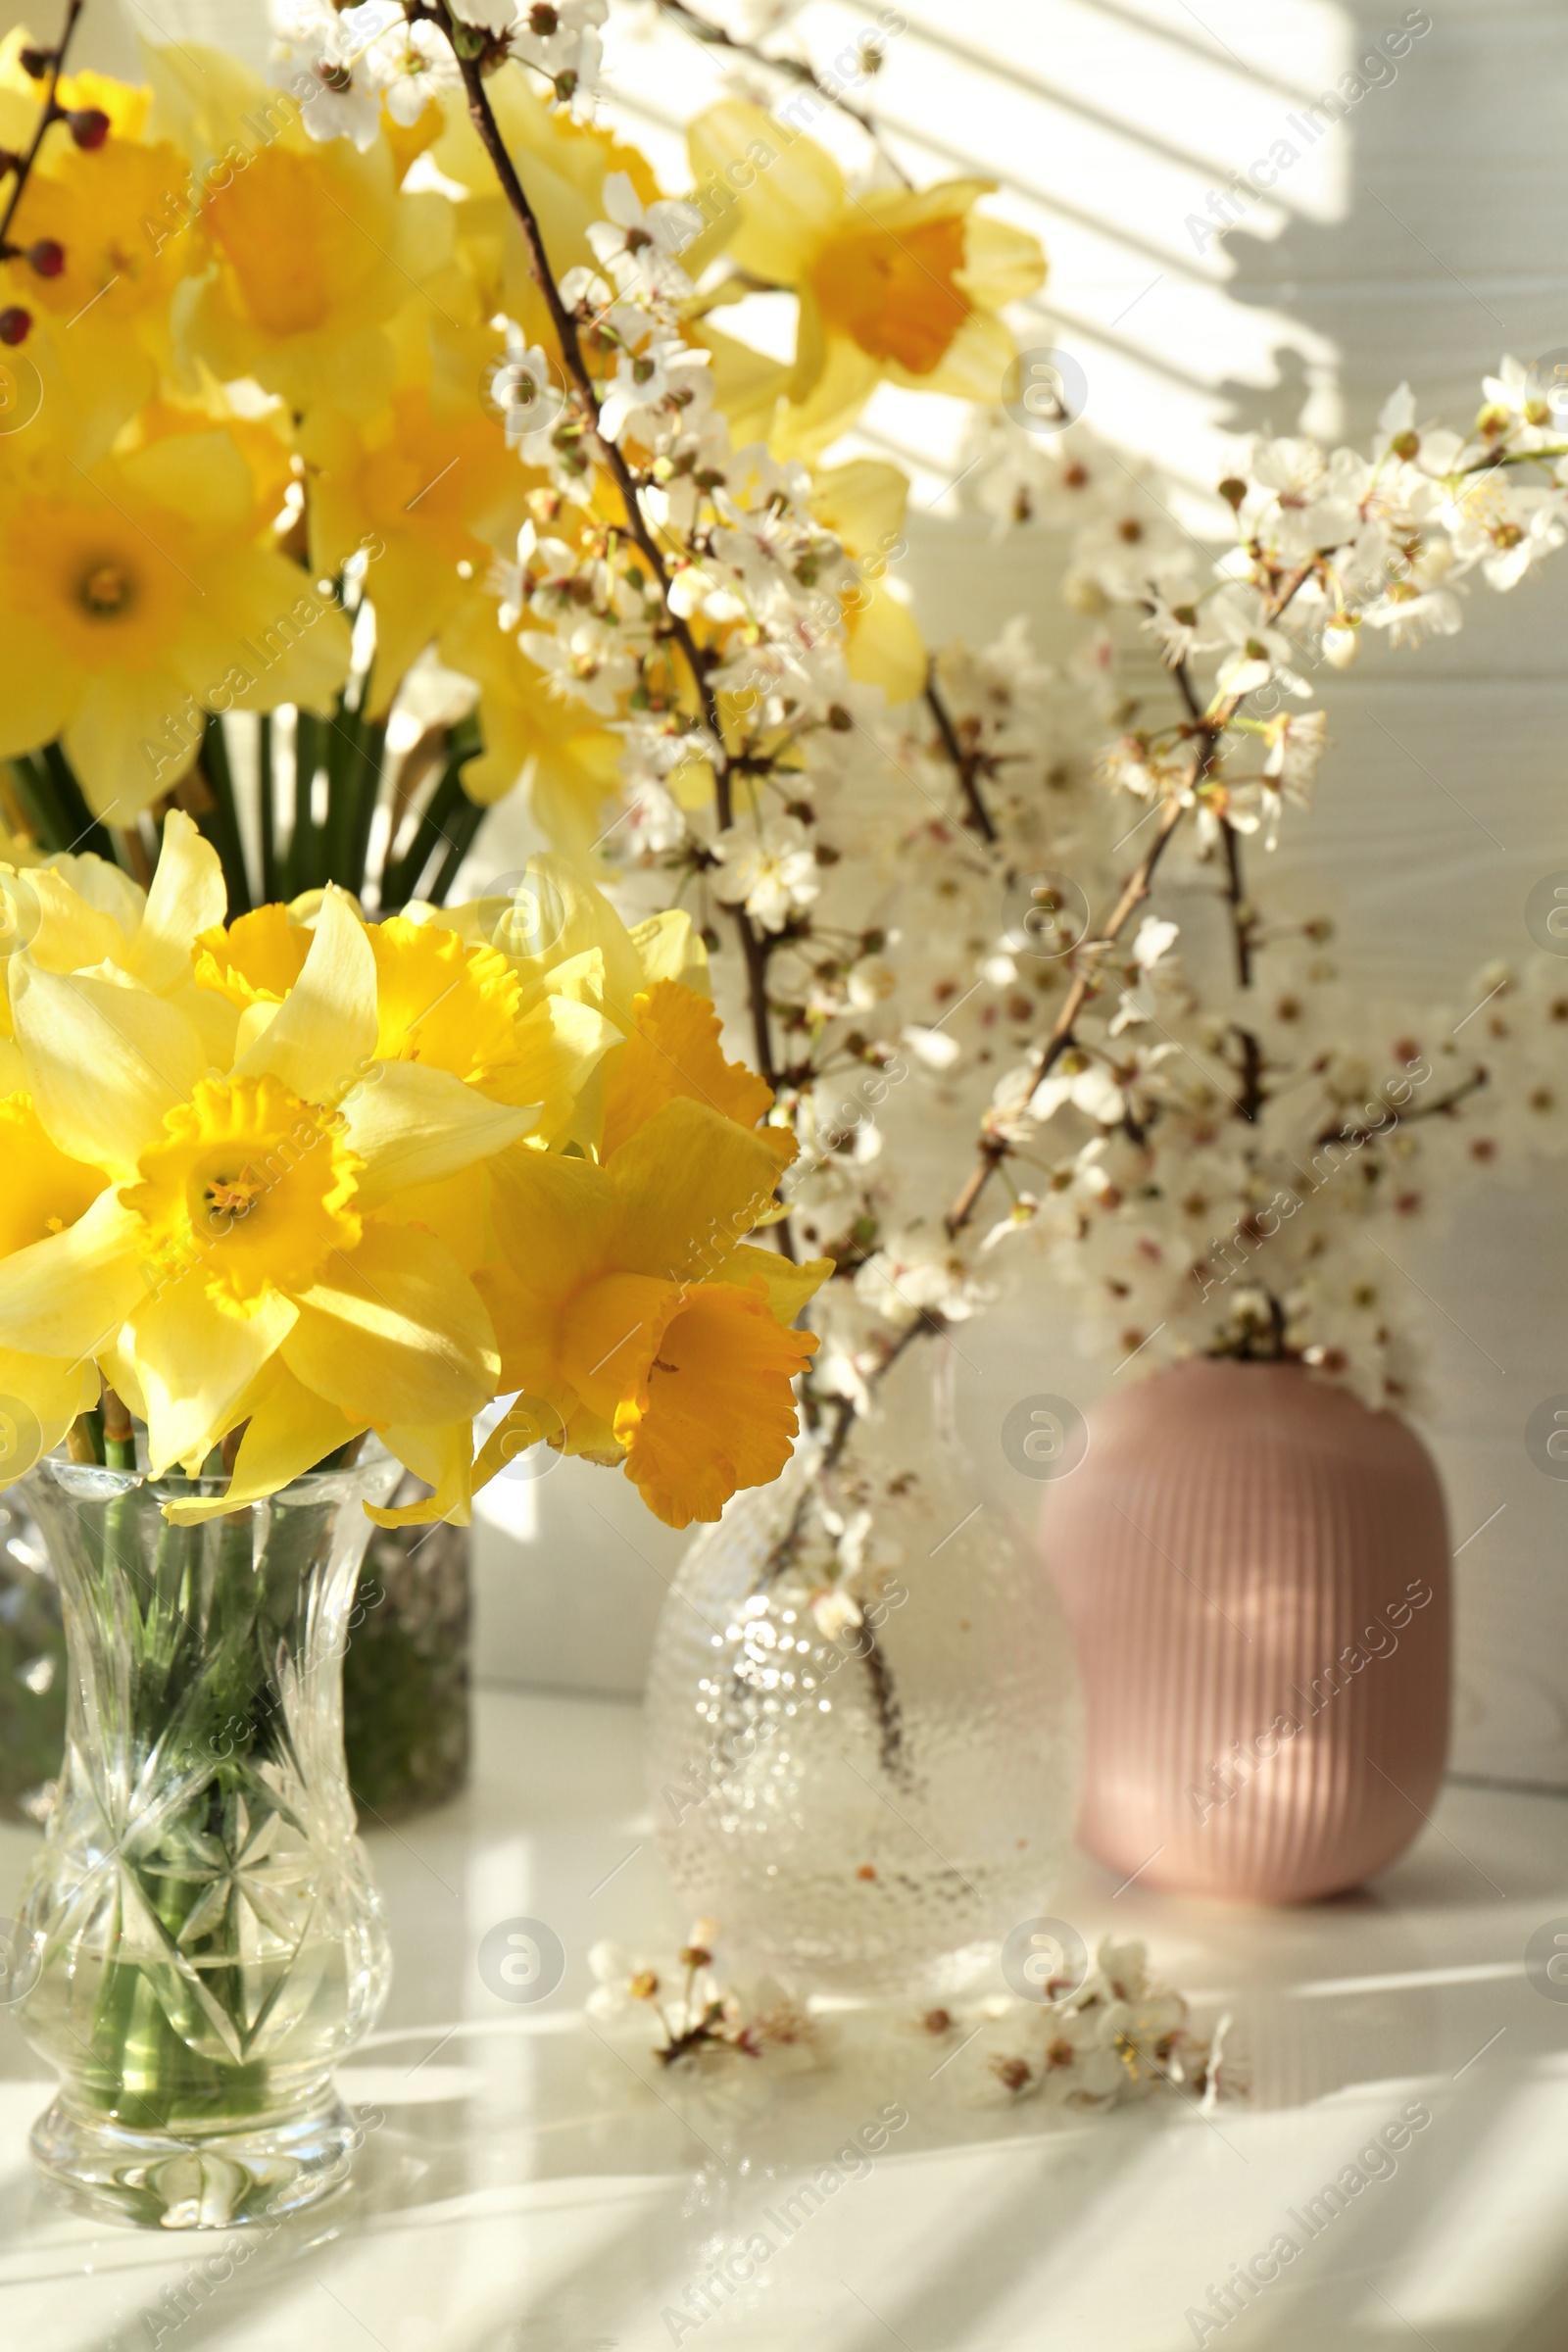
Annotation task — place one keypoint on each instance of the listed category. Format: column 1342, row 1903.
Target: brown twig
column 1357, row 1135
column 794, row 68
column 483, row 116
column 969, row 765
column 1134, row 892
column 51, row 111
column 1235, row 900
column 1208, row 725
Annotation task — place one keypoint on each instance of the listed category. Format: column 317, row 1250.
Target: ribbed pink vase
column 1256, row 1570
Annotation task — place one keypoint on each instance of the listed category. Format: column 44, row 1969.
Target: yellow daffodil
column 244, row 1220
column 133, row 599
column 630, row 1306
column 431, row 492
column 904, row 283
column 315, row 246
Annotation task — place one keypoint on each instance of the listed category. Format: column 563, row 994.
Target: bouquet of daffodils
column 277, row 1182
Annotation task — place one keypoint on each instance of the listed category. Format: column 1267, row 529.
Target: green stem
column 87, row 833
column 300, row 867
column 361, row 806
column 38, row 797
column 462, row 833
column 220, row 823
column 441, row 827
column 266, row 808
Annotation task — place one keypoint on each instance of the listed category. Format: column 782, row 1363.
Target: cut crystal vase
column 199, row 1939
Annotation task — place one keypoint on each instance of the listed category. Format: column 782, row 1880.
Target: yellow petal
column 71, row 934
column 104, row 1064
column 717, row 1411
column 669, row 946
column 412, row 1123
column 785, row 1286
column 118, row 738
column 977, row 364
column 322, row 1038
column 1001, row 264
column 692, row 1183
column 862, row 504
column 290, row 1429
column 444, row 1459
column 395, row 1332
column 69, row 1295
column 833, row 380
column 188, row 897
column 39, row 1399
column 611, row 1335
column 674, row 1053
column 789, row 191
column 557, row 1220
column 885, row 647
column 196, row 1359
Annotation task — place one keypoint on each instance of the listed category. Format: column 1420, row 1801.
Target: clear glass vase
column 202, row 1940
column 863, row 1714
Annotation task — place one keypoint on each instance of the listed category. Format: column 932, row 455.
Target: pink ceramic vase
column 1255, row 1569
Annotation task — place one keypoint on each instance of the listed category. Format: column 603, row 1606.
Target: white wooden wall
column 1421, row 236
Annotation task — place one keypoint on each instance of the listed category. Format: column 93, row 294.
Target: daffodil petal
column 395, row 1332
column 787, row 1287
column 69, row 1295
column 798, row 196
column 412, row 1123
column 692, row 1183
column 717, row 1411
column 290, row 1431
column 72, row 932
column 39, row 1399
column 104, row 1064
column 188, row 896
column 323, row 1035
column 196, row 1359
column 444, row 1459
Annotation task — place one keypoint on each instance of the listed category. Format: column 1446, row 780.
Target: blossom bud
column 1341, row 643
column 1233, row 490
column 47, row 257
column 36, row 63
column 1406, row 445
column 88, row 125
column 15, row 324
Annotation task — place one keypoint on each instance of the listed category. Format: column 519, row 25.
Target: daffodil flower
column 245, row 1216
column 632, row 1305
column 899, row 283
column 136, row 597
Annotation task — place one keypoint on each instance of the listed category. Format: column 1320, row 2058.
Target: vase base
column 216, row 2181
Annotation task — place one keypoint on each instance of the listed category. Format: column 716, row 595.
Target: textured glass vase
column 199, row 1936
column 863, row 1714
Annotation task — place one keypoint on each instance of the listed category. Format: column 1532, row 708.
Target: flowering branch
column 969, row 765
column 483, row 116
column 794, row 68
